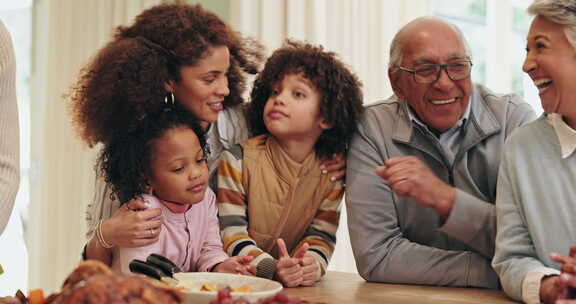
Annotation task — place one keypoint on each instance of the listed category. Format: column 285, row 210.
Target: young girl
column 163, row 163
column 272, row 198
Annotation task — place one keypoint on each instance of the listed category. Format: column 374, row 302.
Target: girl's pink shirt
column 191, row 239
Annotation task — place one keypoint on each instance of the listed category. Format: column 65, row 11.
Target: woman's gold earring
column 169, row 99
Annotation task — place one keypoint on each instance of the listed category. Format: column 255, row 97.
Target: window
column 496, row 32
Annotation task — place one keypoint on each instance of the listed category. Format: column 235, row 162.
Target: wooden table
column 344, row 287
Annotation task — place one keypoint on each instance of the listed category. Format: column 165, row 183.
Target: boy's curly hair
column 339, row 88
column 125, row 161
column 126, row 78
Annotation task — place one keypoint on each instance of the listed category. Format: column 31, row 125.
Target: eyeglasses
column 429, row 73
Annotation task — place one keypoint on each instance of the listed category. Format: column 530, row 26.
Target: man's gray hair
column 562, row 12
column 397, row 47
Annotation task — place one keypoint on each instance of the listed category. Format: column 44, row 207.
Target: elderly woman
column 536, row 195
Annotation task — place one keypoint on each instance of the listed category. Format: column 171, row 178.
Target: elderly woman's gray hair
column 396, row 47
column 562, row 12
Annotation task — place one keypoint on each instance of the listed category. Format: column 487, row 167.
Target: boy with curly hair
column 272, row 196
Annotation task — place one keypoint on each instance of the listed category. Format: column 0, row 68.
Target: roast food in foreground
column 93, row 282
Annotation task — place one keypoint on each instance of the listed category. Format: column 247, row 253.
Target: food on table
column 210, row 287
column 20, row 298
column 9, row 300
column 94, row 282
column 207, row 287
column 102, row 288
column 224, row 297
column 36, row 296
column 243, row 288
column 83, row 271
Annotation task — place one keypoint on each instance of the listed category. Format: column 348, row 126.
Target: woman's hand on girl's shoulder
column 133, row 225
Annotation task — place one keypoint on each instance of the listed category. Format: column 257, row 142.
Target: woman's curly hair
column 339, row 88
column 125, row 160
column 126, row 78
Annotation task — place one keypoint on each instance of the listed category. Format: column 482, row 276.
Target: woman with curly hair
column 272, row 199
column 172, row 52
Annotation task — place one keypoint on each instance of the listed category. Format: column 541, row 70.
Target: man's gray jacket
column 394, row 239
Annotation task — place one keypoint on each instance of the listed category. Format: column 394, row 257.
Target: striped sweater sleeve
column 232, row 211
column 9, row 131
column 321, row 235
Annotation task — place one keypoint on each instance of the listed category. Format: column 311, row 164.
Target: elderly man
column 422, row 167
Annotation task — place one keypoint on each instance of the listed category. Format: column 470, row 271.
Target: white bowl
column 193, row 281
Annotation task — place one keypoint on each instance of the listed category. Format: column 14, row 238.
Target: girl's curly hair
column 126, row 78
column 339, row 88
column 125, row 161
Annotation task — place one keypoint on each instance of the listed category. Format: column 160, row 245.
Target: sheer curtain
column 66, row 34
column 359, row 31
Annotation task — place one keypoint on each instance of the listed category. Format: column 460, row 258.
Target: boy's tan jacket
column 276, row 208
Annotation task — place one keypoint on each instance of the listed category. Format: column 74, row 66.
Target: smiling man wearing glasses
column 422, row 167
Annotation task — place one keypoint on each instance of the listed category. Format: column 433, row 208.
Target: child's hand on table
column 237, row 265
